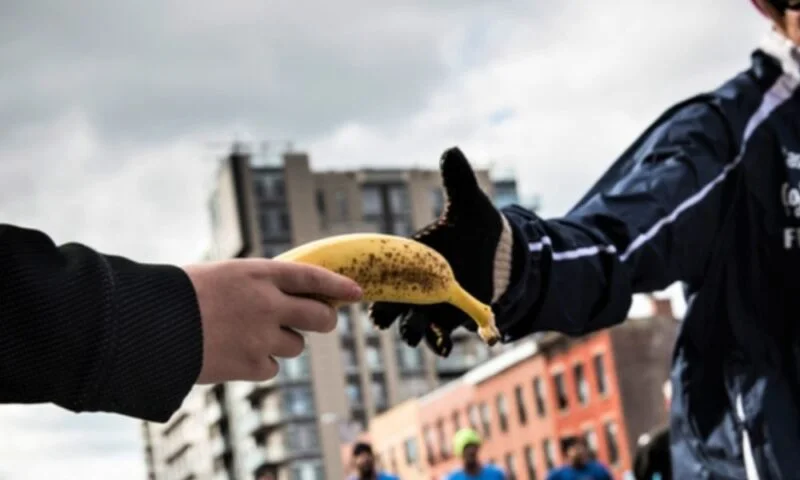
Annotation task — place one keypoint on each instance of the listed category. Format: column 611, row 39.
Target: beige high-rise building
column 292, row 426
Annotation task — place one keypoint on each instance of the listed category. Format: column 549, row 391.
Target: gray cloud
column 153, row 70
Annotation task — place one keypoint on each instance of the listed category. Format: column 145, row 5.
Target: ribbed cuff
column 157, row 341
column 513, row 309
column 503, row 258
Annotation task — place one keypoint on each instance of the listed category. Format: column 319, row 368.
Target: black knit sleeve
column 92, row 332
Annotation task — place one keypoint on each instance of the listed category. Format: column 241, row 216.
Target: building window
column 600, row 374
column 444, row 447
column 270, row 186
column 379, row 394
column 320, row 201
column 412, row 456
column 456, row 421
column 487, row 427
column 437, row 202
column 303, row 437
column 342, row 205
column 511, row 466
column 398, row 199
column 354, row 394
column 307, row 470
column 549, row 454
column 402, row 228
column 474, row 417
column 367, row 327
column 373, row 357
column 502, row 412
column 430, row 444
column 561, row 391
column 299, row 400
column 278, row 187
column 296, row 368
column 371, row 203
column 343, row 320
column 530, row 462
column 284, row 222
column 538, row 394
column 522, row 413
column 349, row 359
column 410, row 358
column 591, row 440
column 581, row 385
column 275, row 222
column 611, row 442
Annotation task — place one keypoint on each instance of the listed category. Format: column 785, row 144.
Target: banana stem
column 480, row 313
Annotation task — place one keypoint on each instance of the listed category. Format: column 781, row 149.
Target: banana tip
column 489, row 334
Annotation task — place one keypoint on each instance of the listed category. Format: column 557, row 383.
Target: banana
column 389, row 268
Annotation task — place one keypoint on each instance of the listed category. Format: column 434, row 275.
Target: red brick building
column 606, row 387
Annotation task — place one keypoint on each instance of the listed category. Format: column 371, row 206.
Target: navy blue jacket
column 709, row 196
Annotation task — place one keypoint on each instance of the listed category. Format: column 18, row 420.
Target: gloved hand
column 477, row 241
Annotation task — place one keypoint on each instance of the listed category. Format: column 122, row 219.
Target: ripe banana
column 395, row 269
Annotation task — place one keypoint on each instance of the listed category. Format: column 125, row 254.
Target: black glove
column 477, row 242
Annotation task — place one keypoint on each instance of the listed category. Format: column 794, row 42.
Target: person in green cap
column 466, row 444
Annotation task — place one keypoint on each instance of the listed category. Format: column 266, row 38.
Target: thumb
column 460, row 184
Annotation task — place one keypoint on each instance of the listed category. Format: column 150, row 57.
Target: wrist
column 503, row 260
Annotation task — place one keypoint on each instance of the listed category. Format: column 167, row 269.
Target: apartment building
column 182, row 447
column 295, row 423
column 606, row 387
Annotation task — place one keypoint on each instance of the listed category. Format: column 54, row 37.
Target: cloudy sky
column 111, row 114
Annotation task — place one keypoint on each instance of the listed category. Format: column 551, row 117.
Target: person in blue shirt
column 580, row 465
column 364, row 461
column 467, row 444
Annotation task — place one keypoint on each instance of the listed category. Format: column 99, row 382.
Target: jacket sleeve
column 652, row 226
column 92, row 332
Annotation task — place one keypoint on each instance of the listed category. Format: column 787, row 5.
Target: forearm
column 651, row 223
column 566, row 278
column 91, row 332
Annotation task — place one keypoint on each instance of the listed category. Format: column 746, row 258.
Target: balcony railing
column 276, row 453
column 254, row 458
column 222, row 475
column 213, row 412
column 219, row 446
column 250, row 421
column 271, row 415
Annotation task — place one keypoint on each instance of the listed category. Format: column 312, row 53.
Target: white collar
column 784, row 50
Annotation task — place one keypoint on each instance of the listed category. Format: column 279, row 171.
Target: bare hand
column 251, row 307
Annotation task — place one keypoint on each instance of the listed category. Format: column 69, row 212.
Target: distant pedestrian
column 364, row 463
column 580, row 465
column 467, row 444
